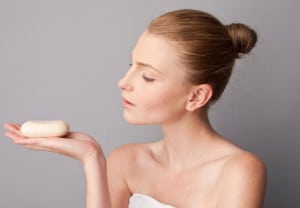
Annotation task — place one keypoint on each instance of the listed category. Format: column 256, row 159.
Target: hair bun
column 243, row 38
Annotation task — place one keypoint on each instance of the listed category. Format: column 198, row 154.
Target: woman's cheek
column 154, row 100
column 161, row 106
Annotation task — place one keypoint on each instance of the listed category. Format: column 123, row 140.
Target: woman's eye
column 148, row 79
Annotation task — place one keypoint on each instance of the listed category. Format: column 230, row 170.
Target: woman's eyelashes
column 148, row 79
column 145, row 77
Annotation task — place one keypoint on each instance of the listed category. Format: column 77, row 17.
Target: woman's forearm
column 97, row 192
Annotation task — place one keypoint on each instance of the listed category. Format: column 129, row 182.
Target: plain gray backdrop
column 62, row 59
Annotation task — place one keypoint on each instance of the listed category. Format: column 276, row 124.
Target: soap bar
column 44, row 128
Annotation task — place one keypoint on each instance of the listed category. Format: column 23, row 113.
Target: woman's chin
column 134, row 120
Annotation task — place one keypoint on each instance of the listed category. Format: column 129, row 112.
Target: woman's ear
column 199, row 97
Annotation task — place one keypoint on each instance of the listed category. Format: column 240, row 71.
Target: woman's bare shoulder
column 238, row 159
column 121, row 166
column 130, row 153
column 243, row 161
column 243, row 172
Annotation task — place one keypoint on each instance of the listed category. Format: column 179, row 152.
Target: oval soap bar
column 44, row 128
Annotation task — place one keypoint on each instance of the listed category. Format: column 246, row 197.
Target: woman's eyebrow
column 145, row 65
column 148, row 66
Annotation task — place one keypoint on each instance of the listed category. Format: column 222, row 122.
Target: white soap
column 44, row 128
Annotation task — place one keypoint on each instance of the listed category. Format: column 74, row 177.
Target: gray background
column 61, row 59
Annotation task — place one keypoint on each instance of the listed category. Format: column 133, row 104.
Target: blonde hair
column 207, row 47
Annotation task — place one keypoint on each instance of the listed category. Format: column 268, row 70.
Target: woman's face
column 154, row 90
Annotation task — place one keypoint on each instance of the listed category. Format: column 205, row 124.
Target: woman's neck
column 187, row 141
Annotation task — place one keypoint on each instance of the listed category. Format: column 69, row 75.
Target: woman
column 180, row 66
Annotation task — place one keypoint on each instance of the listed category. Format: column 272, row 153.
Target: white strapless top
column 144, row 201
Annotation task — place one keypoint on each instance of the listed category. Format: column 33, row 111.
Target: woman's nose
column 124, row 83
column 121, row 83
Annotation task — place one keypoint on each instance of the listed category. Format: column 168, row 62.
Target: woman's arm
column 97, row 192
column 119, row 163
column 81, row 147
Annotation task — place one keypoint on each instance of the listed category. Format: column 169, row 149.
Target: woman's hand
column 75, row 144
column 79, row 146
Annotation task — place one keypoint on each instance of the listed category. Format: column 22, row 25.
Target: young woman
column 180, row 66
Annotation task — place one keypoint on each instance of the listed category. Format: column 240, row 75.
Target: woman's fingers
column 75, row 144
column 68, row 147
column 13, row 132
column 14, row 136
column 44, row 144
column 13, row 128
column 10, row 127
column 16, row 125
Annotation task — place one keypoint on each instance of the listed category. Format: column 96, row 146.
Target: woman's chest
column 194, row 188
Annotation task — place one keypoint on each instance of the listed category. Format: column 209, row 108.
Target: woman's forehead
column 156, row 50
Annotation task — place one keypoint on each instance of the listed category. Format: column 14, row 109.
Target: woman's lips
column 127, row 103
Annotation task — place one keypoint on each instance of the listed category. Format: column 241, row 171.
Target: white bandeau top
column 144, row 201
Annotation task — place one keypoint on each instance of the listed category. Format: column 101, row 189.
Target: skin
column 191, row 166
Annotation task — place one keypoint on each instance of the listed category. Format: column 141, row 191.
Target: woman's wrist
column 97, row 192
column 95, row 159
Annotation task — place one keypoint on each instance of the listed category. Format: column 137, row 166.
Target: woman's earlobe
column 199, row 97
